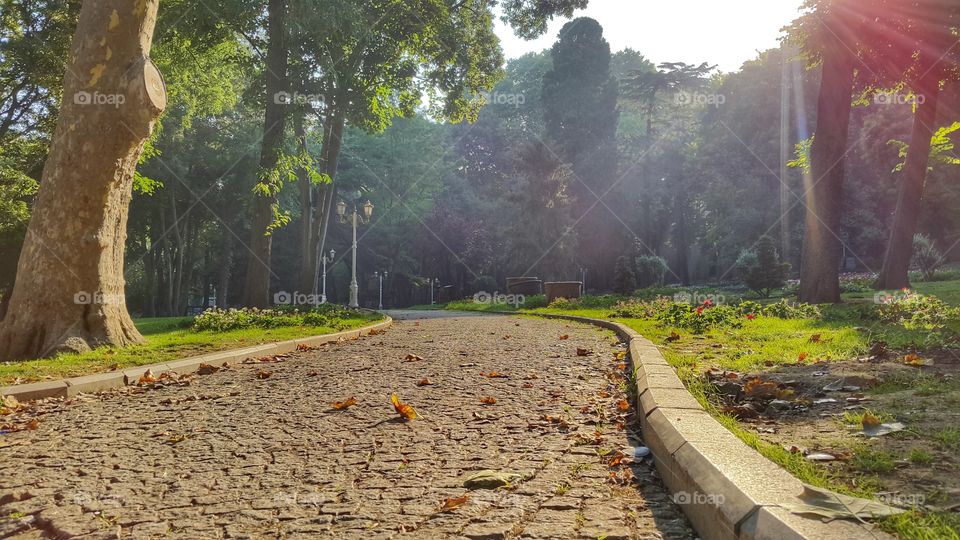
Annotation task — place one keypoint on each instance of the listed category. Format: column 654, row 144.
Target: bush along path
column 501, row 428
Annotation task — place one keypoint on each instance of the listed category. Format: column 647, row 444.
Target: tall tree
column 266, row 208
column 69, row 291
column 928, row 37
column 830, row 31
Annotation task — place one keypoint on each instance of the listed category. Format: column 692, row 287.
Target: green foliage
column 700, row 319
column 760, row 268
column 624, row 281
column 650, row 270
column 641, row 309
column 926, row 256
column 785, row 309
column 223, row 320
column 916, row 311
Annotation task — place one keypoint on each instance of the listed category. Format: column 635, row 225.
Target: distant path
column 421, row 314
column 233, row 455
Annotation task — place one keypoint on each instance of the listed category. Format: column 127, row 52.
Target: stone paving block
column 775, row 523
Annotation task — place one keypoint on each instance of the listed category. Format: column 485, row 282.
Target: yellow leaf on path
column 146, row 378
column 341, row 405
column 453, row 503
column 406, row 411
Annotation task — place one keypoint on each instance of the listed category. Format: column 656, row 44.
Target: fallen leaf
column 32, row 425
column 113, row 367
column 413, row 358
column 757, row 388
column 623, row 405
column 621, row 366
column 870, row 420
column 452, row 504
column 673, row 337
column 146, row 378
column 802, row 357
column 815, row 338
column 490, row 480
column 527, row 385
column 304, row 347
column 493, row 375
column 916, row 360
column 830, row 505
column 488, row 400
column 262, row 374
column 177, row 438
column 406, row 411
column 583, row 352
column 424, row 382
column 564, row 337
column 883, row 429
column 207, row 369
column 620, row 356
column 341, row 405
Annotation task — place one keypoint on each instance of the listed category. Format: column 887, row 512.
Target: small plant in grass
column 873, row 461
column 565, row 303
column 919, row 456
column 948, row 438
column 637, row 309
column 223, row 320
column 699, row 319
column 785, row 309
column 926, row 256
column 916, row 311
column 760, row 268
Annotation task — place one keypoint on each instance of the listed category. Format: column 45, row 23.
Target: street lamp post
column 381, row 275
column 323, row 295
column 355, row 218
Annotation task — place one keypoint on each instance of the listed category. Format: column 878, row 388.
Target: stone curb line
column 726, row 488
column 99, row 382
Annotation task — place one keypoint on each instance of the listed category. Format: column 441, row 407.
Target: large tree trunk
column 306, row 210
column 329, row 159
column 896, row 262
column 265, row 205
column 822, row 248
column 69, row 291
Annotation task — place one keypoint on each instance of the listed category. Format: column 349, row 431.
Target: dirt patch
column 822, row 411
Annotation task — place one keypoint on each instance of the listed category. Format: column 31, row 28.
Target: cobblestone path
column 243, row 454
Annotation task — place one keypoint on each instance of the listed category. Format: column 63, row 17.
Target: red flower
column 700, row 310
column 751, row 316
column 707, row 303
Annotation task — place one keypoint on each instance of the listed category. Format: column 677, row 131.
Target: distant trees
column 760, row 267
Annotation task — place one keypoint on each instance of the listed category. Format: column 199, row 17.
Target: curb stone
column 726, row 488
column 99, row 382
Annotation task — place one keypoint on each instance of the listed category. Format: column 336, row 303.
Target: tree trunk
column 896, row 262
column 822, row 248
column 307, row 253
column 223, row 272
column 329, row 160
column 265, row 205
column 69, row 291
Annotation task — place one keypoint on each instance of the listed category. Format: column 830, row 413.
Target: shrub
column 637, row 309
column 760, row 268
column 224, row 320
column 534, row 302
column 785, row 309
column 484, row 284
column 624, row 281
column 699, row 319
column 650, row 271
column 565, row 303
column 916, row 311
column 926, row 256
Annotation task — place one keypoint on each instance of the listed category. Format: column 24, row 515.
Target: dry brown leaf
column 493, row 375
column 207, row 369
column 412, row 358
column 263, row 374
column 304, row 347
column 583, row 352
column 527, row 385
column 452, row 504
column 623, row 405
column 761, row 389
column 32, row 425
column 815, row 338
column 870, row 420
column 622, row 366
column 341, row 405
column 488, row 400
column 673, row 337
column 564, row 337
column 406, row 411
column 424, row 382
column 146, row 378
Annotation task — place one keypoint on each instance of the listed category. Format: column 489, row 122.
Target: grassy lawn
column 843, row 337
column 168, row 339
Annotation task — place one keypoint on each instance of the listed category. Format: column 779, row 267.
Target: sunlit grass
column 168, row 339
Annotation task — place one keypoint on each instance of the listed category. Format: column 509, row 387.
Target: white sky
column 726, row 33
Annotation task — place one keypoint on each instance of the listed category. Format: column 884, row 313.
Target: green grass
column 873, row 461
column 919, row 456
column 168, row 339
